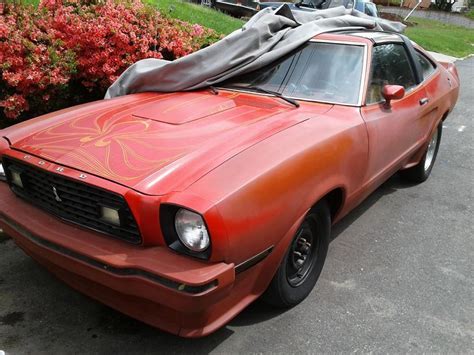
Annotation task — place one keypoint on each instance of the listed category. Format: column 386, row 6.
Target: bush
column 65, row 53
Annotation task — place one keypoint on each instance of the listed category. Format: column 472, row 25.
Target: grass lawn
column 193, row 13
column 443, row 38
column 29, row 2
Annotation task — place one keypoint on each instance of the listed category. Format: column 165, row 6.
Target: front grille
column 80, row 203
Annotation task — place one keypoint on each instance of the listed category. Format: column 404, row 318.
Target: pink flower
column 198, row 30
column 14, row 105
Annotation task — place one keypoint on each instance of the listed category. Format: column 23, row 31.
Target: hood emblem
column 56, row 195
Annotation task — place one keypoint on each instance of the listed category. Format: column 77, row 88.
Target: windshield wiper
column 213, row 90
column 265, row 91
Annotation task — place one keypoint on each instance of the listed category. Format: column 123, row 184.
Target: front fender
column 263, row 191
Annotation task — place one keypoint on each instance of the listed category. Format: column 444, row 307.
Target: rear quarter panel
column 262, row 193
column 442, row 86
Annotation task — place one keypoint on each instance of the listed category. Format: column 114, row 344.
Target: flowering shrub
column 68, row 52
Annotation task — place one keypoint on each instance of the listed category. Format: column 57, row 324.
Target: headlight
column 2, row 172
column 191, row 230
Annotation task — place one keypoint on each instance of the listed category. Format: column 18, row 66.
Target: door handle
column 424, row 101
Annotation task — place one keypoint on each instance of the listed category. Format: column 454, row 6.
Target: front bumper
column 176, row 293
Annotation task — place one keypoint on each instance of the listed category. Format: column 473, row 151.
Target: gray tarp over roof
column 267, row 36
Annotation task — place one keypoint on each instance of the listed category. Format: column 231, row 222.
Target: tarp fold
column 266, row 37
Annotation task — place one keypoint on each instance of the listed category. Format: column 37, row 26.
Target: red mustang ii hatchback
column 180, row 209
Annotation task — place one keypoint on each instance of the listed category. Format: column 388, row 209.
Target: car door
column 396, row 131
column 431, row 84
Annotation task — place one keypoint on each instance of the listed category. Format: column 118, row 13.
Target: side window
column 427, row 67
column 371, row 9
column 390, row 66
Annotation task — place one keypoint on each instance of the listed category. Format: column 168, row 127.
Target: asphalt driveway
column 399, row 278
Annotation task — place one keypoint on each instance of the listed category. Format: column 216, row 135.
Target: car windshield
column 324, row 72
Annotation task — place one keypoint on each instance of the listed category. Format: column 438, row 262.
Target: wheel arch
column 445, row 115
column 439, row 122
column 418, row 155
column 335, row 199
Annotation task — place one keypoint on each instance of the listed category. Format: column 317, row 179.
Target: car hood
column 157, row 143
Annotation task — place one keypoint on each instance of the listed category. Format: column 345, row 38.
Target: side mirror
column 392, row 92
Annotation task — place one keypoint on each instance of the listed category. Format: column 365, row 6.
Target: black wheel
column 303, row 262
column 420, row 172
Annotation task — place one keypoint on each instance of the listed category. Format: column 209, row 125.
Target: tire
column 420, row 172
column 297, row 275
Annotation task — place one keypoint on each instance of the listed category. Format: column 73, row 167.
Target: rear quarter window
column 427, row 66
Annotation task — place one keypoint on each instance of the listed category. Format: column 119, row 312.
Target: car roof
column 377, row 36
column 363, row 36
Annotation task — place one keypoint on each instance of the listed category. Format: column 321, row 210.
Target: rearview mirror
column 392, row 92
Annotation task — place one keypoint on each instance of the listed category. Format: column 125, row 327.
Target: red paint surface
column 251, row 165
